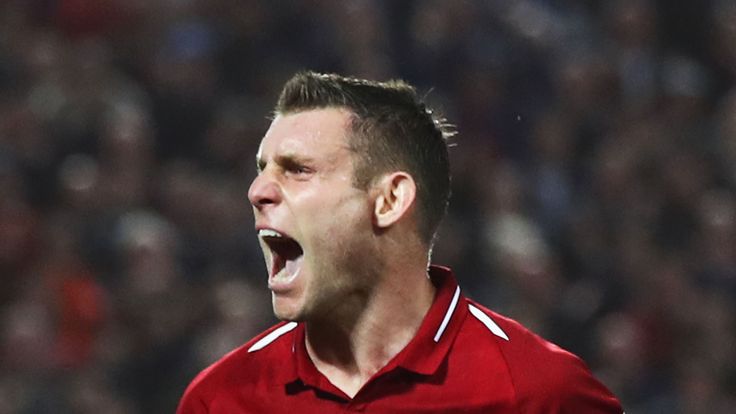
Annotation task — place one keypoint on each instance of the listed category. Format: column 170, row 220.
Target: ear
column 396, row 194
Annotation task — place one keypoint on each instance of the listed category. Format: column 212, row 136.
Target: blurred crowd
column 594, row 180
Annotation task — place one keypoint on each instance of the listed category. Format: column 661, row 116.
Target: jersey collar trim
column 430, row 346
column 274, row 335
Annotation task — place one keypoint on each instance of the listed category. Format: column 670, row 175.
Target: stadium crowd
column 594, row 180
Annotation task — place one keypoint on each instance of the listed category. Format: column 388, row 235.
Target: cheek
column 351, row 212
column 345, row 245
column 330, row 224
column 339, row 237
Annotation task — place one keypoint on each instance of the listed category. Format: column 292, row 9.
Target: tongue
column 291, row 255
column 292, row 265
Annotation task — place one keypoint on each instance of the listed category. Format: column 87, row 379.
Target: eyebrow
column 287, row 160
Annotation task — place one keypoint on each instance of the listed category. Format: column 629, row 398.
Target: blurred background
column 593, row 193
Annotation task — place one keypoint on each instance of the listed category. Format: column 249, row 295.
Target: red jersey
column 463, row 359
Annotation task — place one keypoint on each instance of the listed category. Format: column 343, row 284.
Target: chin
column 286, row 311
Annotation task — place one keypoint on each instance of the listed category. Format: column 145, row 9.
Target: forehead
column 315, row 130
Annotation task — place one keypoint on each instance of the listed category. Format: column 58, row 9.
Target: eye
column 297, row 169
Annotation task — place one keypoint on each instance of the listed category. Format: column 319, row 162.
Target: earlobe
column 397, row 192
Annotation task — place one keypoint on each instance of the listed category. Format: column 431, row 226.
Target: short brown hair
column 391, row 129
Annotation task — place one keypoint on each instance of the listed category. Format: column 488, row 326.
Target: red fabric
column 90, row 17
column 81, row 309
column 469, row 370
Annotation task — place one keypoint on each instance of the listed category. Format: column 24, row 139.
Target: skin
column 304, row 189
column 362, row 287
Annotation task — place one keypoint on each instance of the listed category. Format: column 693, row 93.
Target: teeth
column 269, row 233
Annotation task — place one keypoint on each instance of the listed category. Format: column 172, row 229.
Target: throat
column 364, row 331
column 349, row 359
column 341, row 365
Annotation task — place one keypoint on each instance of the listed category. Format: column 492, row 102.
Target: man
column 353, row 180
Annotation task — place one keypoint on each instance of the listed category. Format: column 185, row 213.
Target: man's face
column 314, row 226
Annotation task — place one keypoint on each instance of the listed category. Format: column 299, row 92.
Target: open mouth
column 286, row 257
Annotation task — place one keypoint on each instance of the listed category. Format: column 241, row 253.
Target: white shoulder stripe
column 266, row 340
column 488, row 322
column 448, row 315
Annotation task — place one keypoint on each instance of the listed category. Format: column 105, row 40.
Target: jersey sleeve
column 580, row 392
column 191, row 405
column 550, row 380
column 210, row 390
column 192, row 402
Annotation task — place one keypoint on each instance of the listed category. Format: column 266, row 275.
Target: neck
column 355, row 341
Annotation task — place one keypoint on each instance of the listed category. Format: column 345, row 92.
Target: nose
column 264, row 190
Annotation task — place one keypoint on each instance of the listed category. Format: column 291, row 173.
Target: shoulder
column 243, row 368
column 545, row 377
